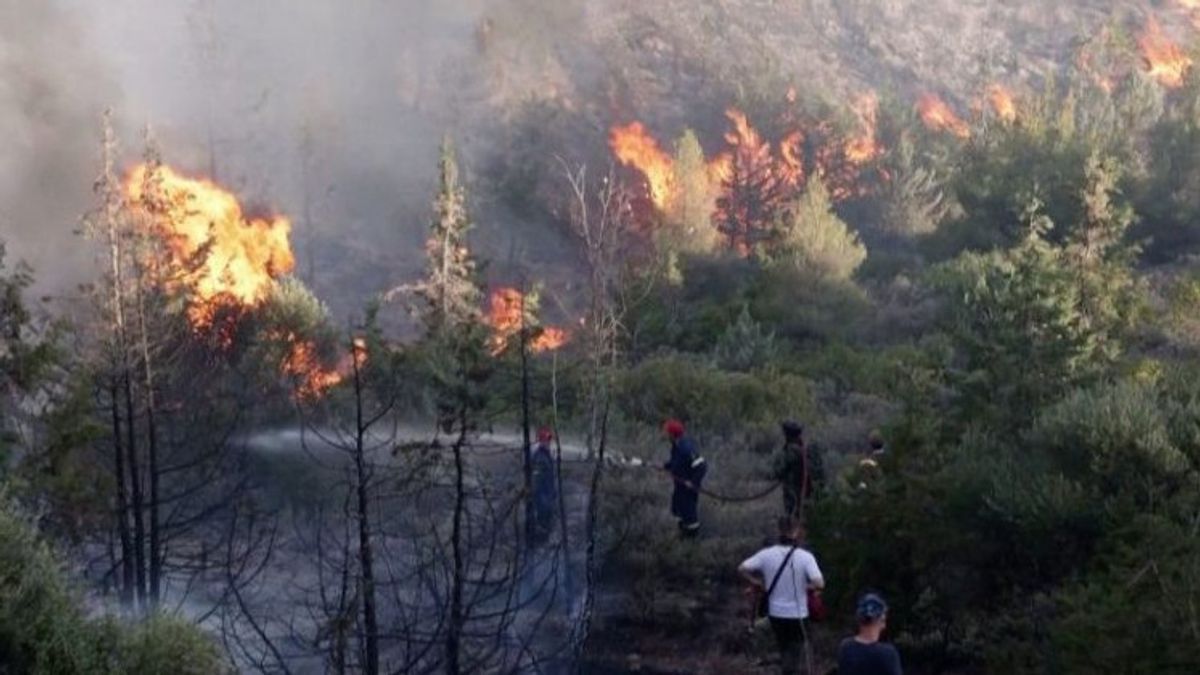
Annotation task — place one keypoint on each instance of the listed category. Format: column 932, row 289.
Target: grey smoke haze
column 327, row 108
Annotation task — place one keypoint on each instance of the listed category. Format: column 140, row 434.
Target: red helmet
column 545, row 435
column 673, row 428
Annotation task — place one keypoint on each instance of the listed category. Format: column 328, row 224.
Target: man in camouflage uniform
column 800, row 469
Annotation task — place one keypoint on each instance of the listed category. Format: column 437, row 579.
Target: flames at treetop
column 201, row 222
column 224, row 259
column 506, row 306
column 938, row 116
column 1165, row 60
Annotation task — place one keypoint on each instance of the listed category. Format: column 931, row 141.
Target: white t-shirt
column 790, row 598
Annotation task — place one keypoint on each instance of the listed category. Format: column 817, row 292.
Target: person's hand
column 688, row 484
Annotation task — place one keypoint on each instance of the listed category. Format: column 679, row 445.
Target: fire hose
column 725, row 498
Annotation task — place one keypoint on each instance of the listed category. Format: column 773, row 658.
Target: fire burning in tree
column 225, row 259
column 864, row 147
column 1002, row 102
column 303, row 366
column 786, row 165
column 508, row 313
column 1165, row 60
column 634, row 146
column 200, row 222
column 938, row 116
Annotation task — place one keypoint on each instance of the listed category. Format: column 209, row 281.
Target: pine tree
column 690, row 215
column 813, row 238
column 450, row 292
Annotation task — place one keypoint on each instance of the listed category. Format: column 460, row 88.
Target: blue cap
column 871, row 606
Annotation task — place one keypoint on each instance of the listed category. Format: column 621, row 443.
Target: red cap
column 545, row 435
column 673, row 428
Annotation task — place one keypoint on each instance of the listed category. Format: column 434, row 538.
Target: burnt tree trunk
column 365, row 553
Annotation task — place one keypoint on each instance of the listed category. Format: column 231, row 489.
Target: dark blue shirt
column 685, row 463
column 856, row 658
column 545, row 483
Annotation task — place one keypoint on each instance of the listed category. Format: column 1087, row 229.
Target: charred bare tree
column 600, row 218
column 109, row 225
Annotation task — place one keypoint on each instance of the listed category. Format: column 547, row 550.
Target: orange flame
column 1165, row 61
column 1002, row 102
column 938, row 116
column 635, row 147
column 312, row 379
column 864, row 147
column 506, row 306
column 241, row 257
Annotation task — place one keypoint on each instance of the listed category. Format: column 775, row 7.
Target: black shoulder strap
column 779, row 572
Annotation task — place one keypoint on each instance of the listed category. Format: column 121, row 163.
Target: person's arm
column 751, row 571
column 812, row 572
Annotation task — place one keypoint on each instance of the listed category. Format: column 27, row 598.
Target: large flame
column 938, row 116
column 1002, row 102
column 201, row 222
column 1165, row 60
column 634, row 146
column 506, row 307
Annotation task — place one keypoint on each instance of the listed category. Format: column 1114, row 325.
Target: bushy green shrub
column 43, row 628
column 712, row 400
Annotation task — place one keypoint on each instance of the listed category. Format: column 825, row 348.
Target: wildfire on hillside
column 1165, row 60
column 939, row 116
column 1002, row 102
column 813, row 149
column 506, row 308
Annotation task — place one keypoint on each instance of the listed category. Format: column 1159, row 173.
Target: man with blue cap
column 864, row 654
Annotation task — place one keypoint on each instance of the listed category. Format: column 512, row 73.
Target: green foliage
column 719, row 402
column 1119, row 436
column 1020, row 332
column 813, row 238
column 745, row 346
column 43, row 628
column 914, row 202
column 26, row 353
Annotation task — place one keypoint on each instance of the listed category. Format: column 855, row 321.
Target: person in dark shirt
column 864, row 654
column 799, row 468
column 545, row 486
column 687, row 469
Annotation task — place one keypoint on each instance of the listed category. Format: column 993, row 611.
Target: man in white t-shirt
column 787, row 571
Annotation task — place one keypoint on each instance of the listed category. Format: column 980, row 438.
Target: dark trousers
column 789, row 636
column 685, row 505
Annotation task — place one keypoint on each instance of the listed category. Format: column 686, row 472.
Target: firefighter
column 545, row 486
column 687, row 469
column 799, row 468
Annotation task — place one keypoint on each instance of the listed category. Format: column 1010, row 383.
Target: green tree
column 1018, row 325
column 450, row 293
column 913, row 201
column 812, row 237
column 26, row 353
